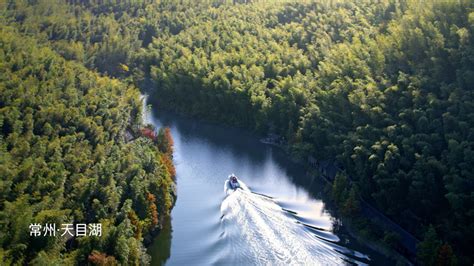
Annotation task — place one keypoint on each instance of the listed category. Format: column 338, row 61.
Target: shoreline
column 377, row 245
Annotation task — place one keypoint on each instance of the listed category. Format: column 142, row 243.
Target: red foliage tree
column 446, row 256
column 165, row 141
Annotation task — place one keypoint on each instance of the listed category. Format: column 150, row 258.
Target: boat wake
column 259, row 231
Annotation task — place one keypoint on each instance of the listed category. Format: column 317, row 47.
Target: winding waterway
column 276, row 221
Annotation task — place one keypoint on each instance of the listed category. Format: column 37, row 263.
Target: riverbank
column 403, row 243
column 367, row 231
column 374, row 245
column 204, row 157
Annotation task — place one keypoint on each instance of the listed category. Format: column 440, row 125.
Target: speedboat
column 233, row 182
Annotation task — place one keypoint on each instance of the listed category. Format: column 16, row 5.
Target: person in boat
column 234, row 183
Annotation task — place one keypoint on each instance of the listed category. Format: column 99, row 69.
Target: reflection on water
column 161, row 245
column 289, row 227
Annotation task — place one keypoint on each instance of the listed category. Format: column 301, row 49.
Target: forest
column 383, row 88
column 71, row 152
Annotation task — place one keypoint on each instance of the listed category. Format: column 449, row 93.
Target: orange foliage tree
column 152, row 209
column 102, row 259
column 165, row 141
column 168, row 163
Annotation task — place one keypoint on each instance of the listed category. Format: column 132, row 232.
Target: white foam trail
column 260, row 232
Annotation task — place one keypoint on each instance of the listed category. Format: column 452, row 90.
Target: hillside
column 382, row 88
column 64, row 159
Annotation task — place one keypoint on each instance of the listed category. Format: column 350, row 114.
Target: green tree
column 427, row 250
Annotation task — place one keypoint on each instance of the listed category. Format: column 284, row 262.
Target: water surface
column 276, row 221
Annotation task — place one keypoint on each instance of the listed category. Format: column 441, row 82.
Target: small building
column 149, row 133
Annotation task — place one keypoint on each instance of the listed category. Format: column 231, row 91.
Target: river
column 277, row 221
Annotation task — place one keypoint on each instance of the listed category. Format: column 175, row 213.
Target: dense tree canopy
column 383, row 87
column 65, row 158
